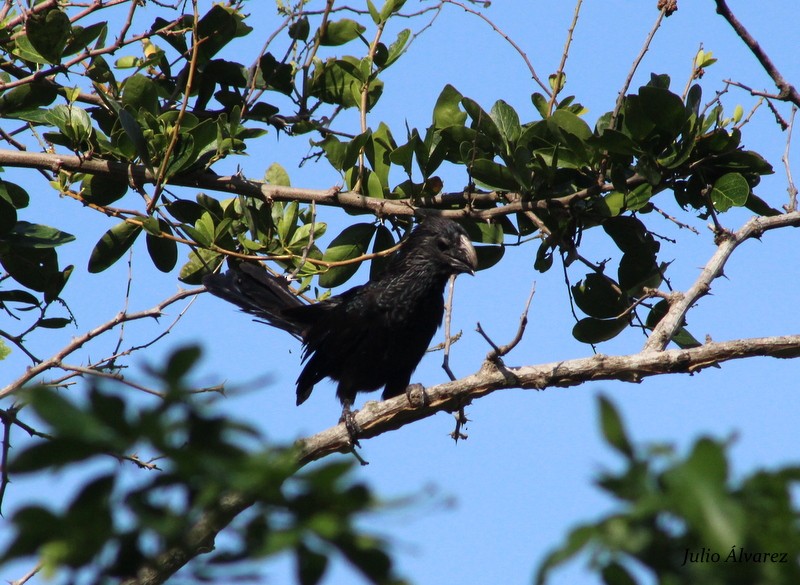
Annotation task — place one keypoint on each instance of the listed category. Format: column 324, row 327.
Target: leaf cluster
column 182, row 105
column 672, row 506
column 197, row 465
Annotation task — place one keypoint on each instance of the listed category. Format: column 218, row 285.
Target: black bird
column 373, row 335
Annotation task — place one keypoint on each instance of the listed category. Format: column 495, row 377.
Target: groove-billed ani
column 373, row 335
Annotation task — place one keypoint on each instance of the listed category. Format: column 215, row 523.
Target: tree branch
column 78, row 342
column 376, row 418
column 138, row 174
column 787, row 90
column 727, row 243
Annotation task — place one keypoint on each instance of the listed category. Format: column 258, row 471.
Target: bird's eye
column 442, row 244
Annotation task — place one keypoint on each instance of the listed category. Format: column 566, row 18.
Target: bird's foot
column 414, row 402
column 349, row 419
column 461, row 421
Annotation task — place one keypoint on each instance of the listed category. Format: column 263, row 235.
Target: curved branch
column 787, row 91
column 727, row 243
column 376, row 418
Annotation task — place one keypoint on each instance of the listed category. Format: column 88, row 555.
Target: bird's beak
column 467, row 261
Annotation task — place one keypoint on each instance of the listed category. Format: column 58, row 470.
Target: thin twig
column 81, row 340
column 508, row 39
column 792, row 205
column 498, row 352
column 557, row 84
column 176, row 129
column 28, row 576
column 448, row 313
column 459, row 414
column 694, row 75
column 634, row 67
column 675, row 220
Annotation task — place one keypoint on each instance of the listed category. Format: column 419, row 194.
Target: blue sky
column 489, row 508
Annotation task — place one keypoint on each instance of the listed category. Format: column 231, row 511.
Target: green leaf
column 299, row 29
column 488, row 256
column 339, row 32
column 379, row 150
column 34, row 268
column 397, row 47
column 569, row 122
column 664, row 108
column 216, row 29
column 201, row 262
column 18, row 296
column 180, row 362
column 507, row 121
column 616, row 574
column 484, row 123
column 682, row 337
column 184, row 210
column 114, row 243
column 447, row 112
column 33, row 235
column 351, row 243
column 8, row 213
column 630, row 235
column 14, row 194
column 340, row 82
column 615, row 142
column 52, row 455
column 54, row 323
column 134, row 132
column 697, row 490
column 277, row 75
column 383, row 241
column 5, row 351
column 617, row 202
column 103, row 190
column 82, row 37
column 540, row 103
column 613, row 428
column 599, row 296
column 27, row 97
column 163, row 251
column 69, row 421
column 73, row 122
column 591, row 330
column 756, row 204
column 140, row 92
column 578, row 539
column 310, row 565
column 638, row 270
column 277, row 175
column 494, row 175
column 730, row 190
column 48, row 32
column 391, row 7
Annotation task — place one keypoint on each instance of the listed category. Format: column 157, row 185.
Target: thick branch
column 380, row 417
column 728, row 242
column 138, row 175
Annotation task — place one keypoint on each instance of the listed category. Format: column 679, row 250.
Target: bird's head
column 444, row 243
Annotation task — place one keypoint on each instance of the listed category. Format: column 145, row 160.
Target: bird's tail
column 259, row 293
